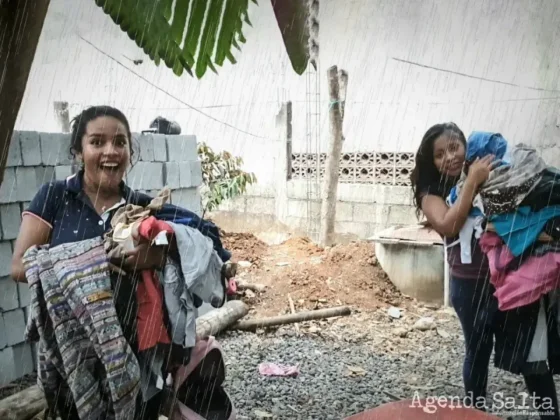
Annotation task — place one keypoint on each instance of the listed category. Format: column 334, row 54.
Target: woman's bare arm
column 448, row 221
column 33, row 231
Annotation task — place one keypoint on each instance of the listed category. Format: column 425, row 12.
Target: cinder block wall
column 35, row 158
column 362, row 210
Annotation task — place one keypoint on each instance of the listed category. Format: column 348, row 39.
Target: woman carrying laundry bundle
column 99, row 324
column 440, row 164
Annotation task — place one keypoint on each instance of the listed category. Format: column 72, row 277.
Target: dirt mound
column 244, row 246
column 315, row 277
column 303, row 246
column 362, row 253
column 348, row 274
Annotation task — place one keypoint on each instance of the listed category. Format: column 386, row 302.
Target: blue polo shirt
column 73, row 218
column 71, row 214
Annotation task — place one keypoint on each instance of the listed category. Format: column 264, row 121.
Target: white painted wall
column 507, row 52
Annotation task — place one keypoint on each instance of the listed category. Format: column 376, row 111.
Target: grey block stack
column 36, row 158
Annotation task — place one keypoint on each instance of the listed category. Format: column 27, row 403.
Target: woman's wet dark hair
column 425, row 174
column 80, row 122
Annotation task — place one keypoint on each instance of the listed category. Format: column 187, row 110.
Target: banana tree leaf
column 196, row 35
column 293, row 17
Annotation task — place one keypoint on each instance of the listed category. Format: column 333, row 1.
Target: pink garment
column 272, row 369
column 206, row 361
column 515, row 288
column 231, row 287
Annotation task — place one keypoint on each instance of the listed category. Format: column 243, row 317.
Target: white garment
column 539, row 345
column 199, row 273
column 473, row 225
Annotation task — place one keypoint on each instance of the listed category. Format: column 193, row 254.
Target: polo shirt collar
column 74, row 183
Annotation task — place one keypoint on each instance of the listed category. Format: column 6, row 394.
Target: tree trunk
column 330, row 186
column 23, row 405
column 219, row 319
column 253, row 324
column 21, row 22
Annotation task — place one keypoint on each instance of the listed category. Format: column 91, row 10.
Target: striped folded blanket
column 80, row 341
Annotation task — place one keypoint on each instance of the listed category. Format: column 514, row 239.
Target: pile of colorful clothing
column 516, row 218
column 97, row 345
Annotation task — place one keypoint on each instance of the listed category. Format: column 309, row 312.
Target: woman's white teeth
column 109, row 165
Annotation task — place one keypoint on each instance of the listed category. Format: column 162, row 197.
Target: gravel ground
column 339, row 378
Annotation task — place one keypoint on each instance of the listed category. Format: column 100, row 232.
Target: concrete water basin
column 413, row 258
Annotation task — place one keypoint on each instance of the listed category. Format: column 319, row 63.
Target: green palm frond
column 194, row 35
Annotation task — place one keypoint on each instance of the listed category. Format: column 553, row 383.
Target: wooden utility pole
column 337, row 96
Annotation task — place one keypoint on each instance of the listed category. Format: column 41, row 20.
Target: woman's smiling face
column 105, row 152
column 449, row 155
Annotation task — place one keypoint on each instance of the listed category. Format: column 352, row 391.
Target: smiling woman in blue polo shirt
column 81, row 208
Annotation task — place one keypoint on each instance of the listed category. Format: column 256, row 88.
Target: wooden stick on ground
column 27, row 403
column 293, row 311
column 253, row 324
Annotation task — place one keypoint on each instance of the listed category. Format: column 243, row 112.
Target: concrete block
column 62, row 171
column 361, row 230
column 160, row 148
column 401, row 215
column 297, row 224
column 7, row 369
column 353, row 193
column 30, row 143
column 260, row 205
column 186, row 175
column 10, row 217
column 5, row 259
column 344, row 211
column 172, row 175
column 15, row 326
column 146, row 175
column 381, row 194
column 262, row 190
column 44, row 174
column 14, row 151
column 55, row 149
column 25, row 205
column 181, row 148
column 237, row 205
column 23, row 359
column 26, row 183
column 304, row 190
column 24, row 295
column 3, row 338
column 187, row 198
column 196, row 173
column 146, row 145
column 304, row 209
column 8, row 189
column 371, row 213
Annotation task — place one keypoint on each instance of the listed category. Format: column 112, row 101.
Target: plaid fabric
column 81, row 343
